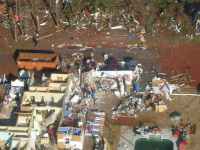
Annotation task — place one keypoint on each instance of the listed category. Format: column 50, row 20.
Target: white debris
column 86, row 48
column 61, row 45
column 77, row 45
column 43, row 24
column 117, row 27
column 138, row 71
column 75, row 99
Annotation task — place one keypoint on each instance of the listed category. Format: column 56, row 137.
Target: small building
column 37, row 59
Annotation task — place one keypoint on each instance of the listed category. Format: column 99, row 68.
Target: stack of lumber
column 181, row 79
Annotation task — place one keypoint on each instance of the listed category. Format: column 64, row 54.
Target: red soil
column 180, row 58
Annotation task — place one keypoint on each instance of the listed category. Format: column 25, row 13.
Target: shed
column 37, row 59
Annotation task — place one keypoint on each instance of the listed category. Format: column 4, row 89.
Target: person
column 83, row 90
column 87, row 65
column 106, row 59
column 52, row 134
column 180, row 138
column 4, row 80
column 93, row 92
column 42, row 103
column 93, row 64
column 118, row 85
column 198, row 88
column 138, row 71
column 1, row 80
column 136, row 105
column 124, row 84
column 65, row 4
column 32, row 99
column 147, row 88
column 18, row 20
column 86, row 90
column 98, row 84
column 136, row 85
column 165, row 89
column 35, row 38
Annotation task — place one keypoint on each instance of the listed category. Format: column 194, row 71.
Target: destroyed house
column 37, row 59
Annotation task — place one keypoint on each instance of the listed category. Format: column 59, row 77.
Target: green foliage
column 93, row 5
column 102, row 4
column 162, row 4
column 190, row 1
column 148, row 12
column 149, row 26
column 196, row 39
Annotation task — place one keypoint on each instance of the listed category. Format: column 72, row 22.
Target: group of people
column 182, row 132
column 89, row 91
column 84, row 63
column 122, row 86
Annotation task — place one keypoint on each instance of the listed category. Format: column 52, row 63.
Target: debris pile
column 63, row 109
column 130, row 107
column 181, row 129
column 95, row 123
column 154, row 98
column 181, row 79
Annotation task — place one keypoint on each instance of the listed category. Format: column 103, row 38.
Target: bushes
column 95, row 4
column 148, row 13
column 162, row 4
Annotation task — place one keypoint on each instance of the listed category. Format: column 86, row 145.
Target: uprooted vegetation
column 154, row 16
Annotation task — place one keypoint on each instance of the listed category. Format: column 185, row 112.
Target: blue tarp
column 70, row 130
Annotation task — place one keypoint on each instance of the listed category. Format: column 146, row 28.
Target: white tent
column 17, row 83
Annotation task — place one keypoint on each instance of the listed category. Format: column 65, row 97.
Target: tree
column 162, row 4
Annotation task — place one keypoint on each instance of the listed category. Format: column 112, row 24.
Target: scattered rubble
column 62, row 109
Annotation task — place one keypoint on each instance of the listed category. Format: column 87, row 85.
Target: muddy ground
column 182, row 57
column 164, row 56
column 169, row 57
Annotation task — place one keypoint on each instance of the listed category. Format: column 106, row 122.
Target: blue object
column 66, row 113
column 77, row 132
column 131, row 36
column 63, row 129
column 136, row 87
